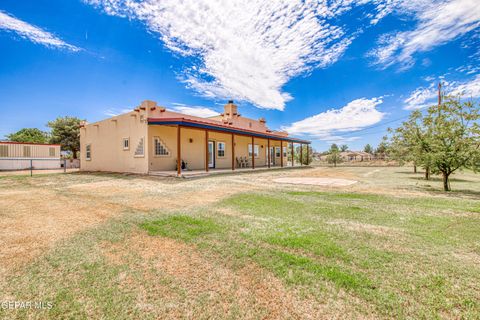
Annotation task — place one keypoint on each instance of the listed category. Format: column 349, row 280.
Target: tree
column 368, row 149
column 305, row 160
column 66, row 132
column 30, row 135
column 343, row 148
column 453, row 134
column 410, row 143
column 444, row 140
column 334, row 155
column 382, row 150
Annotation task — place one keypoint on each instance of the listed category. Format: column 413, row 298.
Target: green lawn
column 370, row 255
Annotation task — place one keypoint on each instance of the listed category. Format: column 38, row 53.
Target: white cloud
column 438, row 23
column 357, row 114
column 426, row 96
column 112, row 112
column 202, row 112
column 243, row 49
column 469, row 89
column 420, row 98
column 32, row 33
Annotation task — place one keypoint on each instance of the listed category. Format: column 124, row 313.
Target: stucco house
column 153, row 140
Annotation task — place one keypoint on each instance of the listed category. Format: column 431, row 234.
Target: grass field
column 238, row 246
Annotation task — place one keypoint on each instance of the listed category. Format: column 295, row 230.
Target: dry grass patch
column 204, row 287
column 369, row 228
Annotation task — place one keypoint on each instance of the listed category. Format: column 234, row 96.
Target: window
column 126, row 143
column 221, row 149
column 3, row 151
column 27, row 151
column 160, row 148
column 284, row 151
column 139, row 149
column 88, row 152
column 255, row 150
column 51, row 152
column 277, row 152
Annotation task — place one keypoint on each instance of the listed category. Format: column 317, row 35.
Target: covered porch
column 198, row 149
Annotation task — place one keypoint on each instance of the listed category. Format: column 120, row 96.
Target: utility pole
column 439, row 94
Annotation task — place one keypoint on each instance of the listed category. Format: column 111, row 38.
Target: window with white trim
column 159, row 147
column 88, row 152
column 277, row 152
column 284, row 152
column 255, row 150
column 139, row 151
column 221, row 149
column 126, row 144
column 51, row 151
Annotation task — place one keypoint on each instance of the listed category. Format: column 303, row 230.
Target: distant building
column 19, row 155
column 352, row 156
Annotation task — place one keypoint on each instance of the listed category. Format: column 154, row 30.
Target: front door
column 272, row 156
column 211, row 154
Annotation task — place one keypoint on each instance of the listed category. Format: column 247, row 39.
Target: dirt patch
column 324, row 182
column 208, row 287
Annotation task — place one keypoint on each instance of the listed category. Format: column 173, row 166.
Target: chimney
column 230, row 109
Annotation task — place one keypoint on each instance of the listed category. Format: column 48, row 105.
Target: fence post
column 64, row 165
column 31, row 167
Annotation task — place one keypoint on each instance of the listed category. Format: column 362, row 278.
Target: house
column 356, row 156
column 152, row 139
column 350, row 156
column 20, row 156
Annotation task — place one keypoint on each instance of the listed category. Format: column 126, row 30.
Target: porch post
column 293, row 155
column 308, row 150
column 268, row 146
column 253, row 154
column 179, row 152
column 281, row 152
column 301, row 154
column 233, row 151
column 206, row 150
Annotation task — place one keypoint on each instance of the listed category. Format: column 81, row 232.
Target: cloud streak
column 196, row 111
column 33, row 33
column 438, row 23
column 245, row 50
column 424, row 97
column 329, row 125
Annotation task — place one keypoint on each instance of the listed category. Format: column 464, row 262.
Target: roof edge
column 207, row 125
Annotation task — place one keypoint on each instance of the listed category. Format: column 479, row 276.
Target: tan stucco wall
column 106, row 140
column 194, row 153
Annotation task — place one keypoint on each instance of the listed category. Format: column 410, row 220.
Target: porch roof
column 184, row 122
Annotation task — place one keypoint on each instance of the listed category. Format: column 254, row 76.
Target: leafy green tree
column 444, row 140
column 334, row 155
column 30, row 135
column 382, row 150
column 305, row 160
column 66, row 132
column 453, row 137
column 344, row 147
column 368, row 149
column 410, row 143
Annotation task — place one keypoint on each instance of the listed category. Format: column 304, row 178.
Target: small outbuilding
column 20, row 156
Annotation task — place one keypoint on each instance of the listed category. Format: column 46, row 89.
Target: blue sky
column 336, row 71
